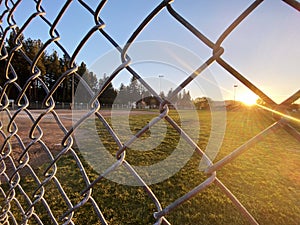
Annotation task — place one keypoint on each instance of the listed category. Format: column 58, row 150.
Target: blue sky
column 264, row 47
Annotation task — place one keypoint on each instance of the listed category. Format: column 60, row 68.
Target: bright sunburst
column 248, row 98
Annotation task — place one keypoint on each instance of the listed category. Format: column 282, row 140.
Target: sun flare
column 248, row 99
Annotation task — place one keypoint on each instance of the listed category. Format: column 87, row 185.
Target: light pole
column 72, row 97
column 234, row 92
column 160, row 76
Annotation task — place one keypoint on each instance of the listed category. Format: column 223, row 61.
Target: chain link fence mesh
column 34, row 187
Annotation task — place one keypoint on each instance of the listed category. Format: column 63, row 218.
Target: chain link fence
column 34, row 175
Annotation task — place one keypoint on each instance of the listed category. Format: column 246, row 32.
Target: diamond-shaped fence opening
column 77, row 150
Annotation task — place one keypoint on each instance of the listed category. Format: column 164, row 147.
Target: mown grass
column 266, row 178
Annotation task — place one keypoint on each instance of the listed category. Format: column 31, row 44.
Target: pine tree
column 109, row 94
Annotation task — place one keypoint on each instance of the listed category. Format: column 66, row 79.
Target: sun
column 248, row 98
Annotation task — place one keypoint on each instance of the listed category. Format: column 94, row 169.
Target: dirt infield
column 49, row 136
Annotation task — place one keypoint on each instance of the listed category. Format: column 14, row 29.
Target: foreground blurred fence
column 18, row 203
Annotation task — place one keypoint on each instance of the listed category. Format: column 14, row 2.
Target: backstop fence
column 34, row 191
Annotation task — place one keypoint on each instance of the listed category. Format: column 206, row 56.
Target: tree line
column 52, row 66
column 136, row 95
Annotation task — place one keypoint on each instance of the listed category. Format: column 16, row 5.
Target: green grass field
column 266, row 178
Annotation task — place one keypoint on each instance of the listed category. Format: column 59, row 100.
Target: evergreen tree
column 65, row 88
column 22, row 62
column 109, row 95
column 19, row 64
column 54, row 70
column 162, row 95
column 82, row 69
column 134, row 89
column 123, row 96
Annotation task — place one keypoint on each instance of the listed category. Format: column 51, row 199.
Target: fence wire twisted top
column 19, row 205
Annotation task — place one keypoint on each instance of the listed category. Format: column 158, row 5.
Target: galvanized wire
column 13, row 168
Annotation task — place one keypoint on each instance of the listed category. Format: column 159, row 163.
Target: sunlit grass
column 266, row 178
